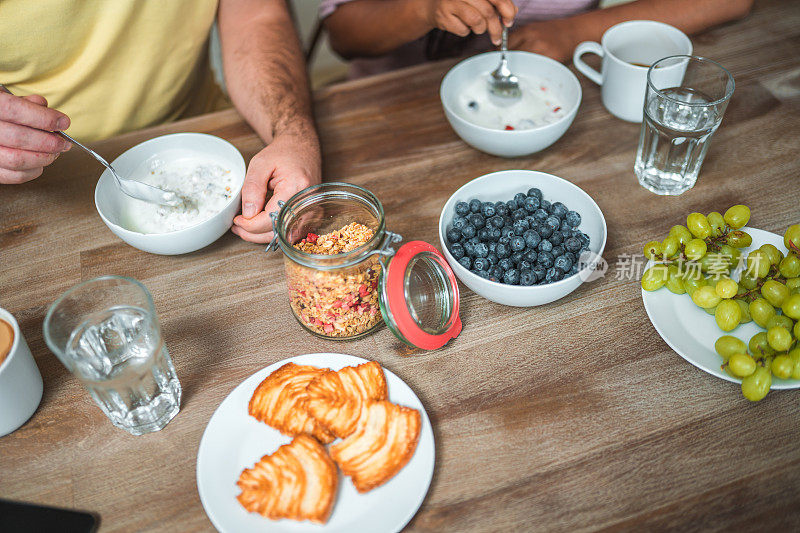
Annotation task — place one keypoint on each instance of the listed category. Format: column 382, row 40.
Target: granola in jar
column 342, row 302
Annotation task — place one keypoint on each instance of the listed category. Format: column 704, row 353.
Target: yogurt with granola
column 205, row 187
column 540, row 104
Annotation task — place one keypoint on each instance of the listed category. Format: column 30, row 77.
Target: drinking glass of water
column 106, row 333
column 679, row 121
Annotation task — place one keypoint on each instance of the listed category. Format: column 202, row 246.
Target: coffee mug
column 628, row 49
column 20, row 380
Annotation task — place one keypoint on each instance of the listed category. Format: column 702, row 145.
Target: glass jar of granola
column 344, row 279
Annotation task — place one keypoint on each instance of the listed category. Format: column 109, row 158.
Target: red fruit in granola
column 312, row 237
column 328, row 328
column 337, row 304
column 363, row 291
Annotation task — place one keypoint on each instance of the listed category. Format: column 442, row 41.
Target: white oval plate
column 692, row 332
column 233, row 441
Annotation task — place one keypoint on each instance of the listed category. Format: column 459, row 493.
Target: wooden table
column 574, row 415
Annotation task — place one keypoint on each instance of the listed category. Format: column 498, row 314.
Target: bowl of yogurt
column 204, row 170
column 551, row 95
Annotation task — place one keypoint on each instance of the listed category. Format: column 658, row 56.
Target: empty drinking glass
column 106, row 333
column 679, row 121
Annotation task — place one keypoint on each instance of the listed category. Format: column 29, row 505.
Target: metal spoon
column 133, row 188
column 501, row 81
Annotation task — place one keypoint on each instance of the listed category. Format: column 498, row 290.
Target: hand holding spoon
column 502, row 81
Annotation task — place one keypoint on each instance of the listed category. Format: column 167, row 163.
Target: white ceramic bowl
column 517, row 142
column 502, row 186
column 109, row 200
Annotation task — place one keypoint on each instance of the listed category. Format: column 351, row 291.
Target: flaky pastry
column 336, row 398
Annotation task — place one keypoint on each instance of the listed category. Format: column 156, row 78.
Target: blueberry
column 483, row 234
column 508, row 221
column 573, row 270
column 551, row 221
column 573, row 218
column 475, row 205
column 531, row 204
column 456, row 250
column 492, row 258
column 557, row 251
column 504, row 240
column 540, row 215
column 559, row 210
column 476, row 220
column 565, row 225
column 511, row 277
column 481, row 249
column 545, row 246
column 483, row 273
column 555, row 274
column 488, row 210
column 532, row 222
column 520, row 226
column 497, row 221
column 511, row 205
column 566, row 234
column 517, row 243
column 502, row 250
column 516, row 257
column 556, row 238
column 535, row 193
column 572, row 257
column 526, row 276
column 466, row 262
column 584, row 240
column 530, row 255
column 524, row 265
column 507, row 232
column 520, row 198
column 492, row 247
column 462, row 208
column 545, row 205
column 501, row 208
column 469, row 248
column 505, row 264
column 573, row 244
column 519, row 214
column 495, row 234
column 459, row 222
column 545, row 259
column 480, row 263
column 545, row 231
column 453, row 235
column 532, row 238
column 563, row 263
column 474, row 240
column 468, row 231
column 540, row 272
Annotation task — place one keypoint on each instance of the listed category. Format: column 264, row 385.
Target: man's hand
column 27, row 143
column 477, row 16
column 551, row 38
column 289, row 164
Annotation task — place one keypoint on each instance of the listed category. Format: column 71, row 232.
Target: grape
column 654, row 278
column 779, row 338
column 791, row 307
column 780, row 320
column 756, row 385
column 741, row 365
column 790, row 266
column 739, row 239
column 732, row 253
column 759, row 346
column 692, row 283
column 796, row 331
column 793, row 283
column 675, row 280
column 653, row 250
column 717, row 223
column 681, row 233
column 757, row 264
column 726, row 288
column 761, row 311
column 728, row 315
column 774, row 292
column 745, row 311
column 794, row 355
column 748, row 282
column 706, row 297
column 670, row 246
column 710, row 310
column 727, row 345
column 792, row 237
column 695, row 249
column 773, row 253
column 737, row 216
column 698, row 224
column 782, row 366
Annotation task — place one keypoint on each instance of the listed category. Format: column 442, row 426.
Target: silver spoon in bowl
column 502, row 81
column 133, row 188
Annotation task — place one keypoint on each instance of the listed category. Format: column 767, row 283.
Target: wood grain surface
column 571, row 416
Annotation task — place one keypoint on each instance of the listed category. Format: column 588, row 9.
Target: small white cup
column 622, row 46
column 20, row 381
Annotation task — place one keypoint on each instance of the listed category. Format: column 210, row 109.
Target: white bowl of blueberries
column 521, row 237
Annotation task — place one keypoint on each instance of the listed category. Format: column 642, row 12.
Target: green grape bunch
column 697, row 260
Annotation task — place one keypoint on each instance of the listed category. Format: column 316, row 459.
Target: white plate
column 692, row 332
column 233, row 441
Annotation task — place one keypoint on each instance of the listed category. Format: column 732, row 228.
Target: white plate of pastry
column 318, row 442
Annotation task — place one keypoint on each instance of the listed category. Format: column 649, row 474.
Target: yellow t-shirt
column 111, row 65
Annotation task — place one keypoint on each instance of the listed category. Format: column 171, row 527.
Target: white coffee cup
column 628, row 49
column 20, row 381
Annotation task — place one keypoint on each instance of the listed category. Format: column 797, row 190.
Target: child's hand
column 551, row 38
column 477, row 16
